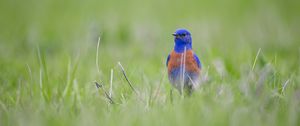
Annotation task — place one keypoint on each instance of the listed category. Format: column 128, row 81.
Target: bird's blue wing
column 198, row 61
column 168, row 60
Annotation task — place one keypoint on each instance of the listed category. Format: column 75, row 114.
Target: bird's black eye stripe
column 183, row 34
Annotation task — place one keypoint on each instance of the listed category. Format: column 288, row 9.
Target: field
column 52, row 52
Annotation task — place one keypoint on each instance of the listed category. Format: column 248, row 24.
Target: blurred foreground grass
column 48, row 62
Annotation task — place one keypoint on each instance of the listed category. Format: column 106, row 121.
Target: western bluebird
column 183, row 64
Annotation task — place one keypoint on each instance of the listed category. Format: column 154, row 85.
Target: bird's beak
column 174, row 34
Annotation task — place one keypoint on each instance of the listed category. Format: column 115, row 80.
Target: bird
column 183, row 64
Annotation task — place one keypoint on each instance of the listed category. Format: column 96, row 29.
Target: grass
column 51, row 55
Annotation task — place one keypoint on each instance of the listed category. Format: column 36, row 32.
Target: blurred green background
column 49, row 46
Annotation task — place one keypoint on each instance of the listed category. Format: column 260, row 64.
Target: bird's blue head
column 183, row 39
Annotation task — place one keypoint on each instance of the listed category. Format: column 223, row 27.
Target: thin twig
column 129, row 83
column 284, row 86
column 123, row 71
column 41, row 84
column 183, row 58
column 193, row 82
column 68, row 80
column 205, row 78
column 254, row 63
column 31, row 80
column 97, row 55
column 100, row 86
column 111, row 82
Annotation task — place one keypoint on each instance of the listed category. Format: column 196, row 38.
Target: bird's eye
column 183, row 35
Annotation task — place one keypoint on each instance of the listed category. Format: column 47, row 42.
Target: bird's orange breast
column 176, row 59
